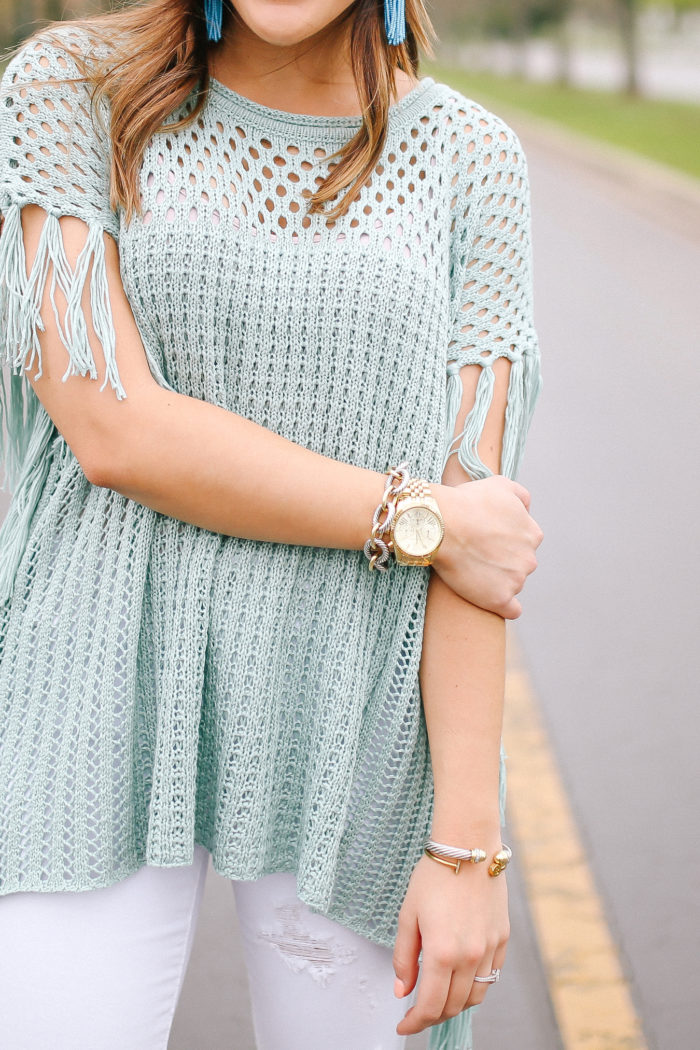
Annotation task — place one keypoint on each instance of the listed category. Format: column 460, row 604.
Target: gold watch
column 418, row 527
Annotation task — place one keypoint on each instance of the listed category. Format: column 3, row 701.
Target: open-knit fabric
column 163, row 685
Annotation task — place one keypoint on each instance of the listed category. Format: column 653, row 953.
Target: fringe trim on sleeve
column 30, row 429
column 525, row 383
column 453, row 1034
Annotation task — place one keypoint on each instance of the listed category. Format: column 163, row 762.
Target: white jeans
column 103, row 969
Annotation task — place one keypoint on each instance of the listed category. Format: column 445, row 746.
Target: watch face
column 417, row 531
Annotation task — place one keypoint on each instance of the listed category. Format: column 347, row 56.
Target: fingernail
column 398, row 988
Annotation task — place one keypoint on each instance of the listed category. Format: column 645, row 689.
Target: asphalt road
column 610, row 622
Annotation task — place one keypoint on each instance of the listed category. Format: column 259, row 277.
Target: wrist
column 407, row 509
column 407, row 525
column 483, row 832
column 444, row 496
column 470, row 857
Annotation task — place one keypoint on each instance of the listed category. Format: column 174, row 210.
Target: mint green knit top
column 163, row 685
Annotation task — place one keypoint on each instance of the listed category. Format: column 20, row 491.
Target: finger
column 406, row 951
column 512, row 609
column 477, row 993
column 521, row 492
column 499, row 956
column 459, row 992
column 479, row 989
column 433, row 986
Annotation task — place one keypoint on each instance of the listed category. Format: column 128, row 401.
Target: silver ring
column 494, row 976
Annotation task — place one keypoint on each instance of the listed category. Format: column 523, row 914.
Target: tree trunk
column 627, row 10
column 563, row 73
column 520, row 28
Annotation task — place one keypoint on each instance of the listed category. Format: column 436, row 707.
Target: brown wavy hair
column 157, row 55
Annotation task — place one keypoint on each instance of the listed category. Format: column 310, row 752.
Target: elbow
column 99, row 467
column 118, row 449
column 119, row 458
column 111, row 442
column 101, row 452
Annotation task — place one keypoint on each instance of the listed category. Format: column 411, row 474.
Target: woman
column 220, row 632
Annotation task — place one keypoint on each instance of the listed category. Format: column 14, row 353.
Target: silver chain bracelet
column 376, row 549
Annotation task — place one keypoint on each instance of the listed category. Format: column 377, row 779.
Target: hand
column 490, row 540
column 461, row 923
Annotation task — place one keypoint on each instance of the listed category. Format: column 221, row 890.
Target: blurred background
column 602, row 725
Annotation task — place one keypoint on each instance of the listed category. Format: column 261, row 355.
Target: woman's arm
column 178, row 455
column 213, row 468
column 460, row 923
column 462, row 673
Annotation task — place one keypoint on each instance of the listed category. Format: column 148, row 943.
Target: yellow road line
column 589, row 991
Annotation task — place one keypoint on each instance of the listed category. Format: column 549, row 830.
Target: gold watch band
column 416, row 488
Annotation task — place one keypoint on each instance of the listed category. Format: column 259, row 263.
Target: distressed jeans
column 103, row 969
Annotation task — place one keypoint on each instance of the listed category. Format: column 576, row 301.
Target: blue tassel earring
column 395, row 20
column 214, row 11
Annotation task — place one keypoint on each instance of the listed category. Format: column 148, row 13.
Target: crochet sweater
column 163, row 685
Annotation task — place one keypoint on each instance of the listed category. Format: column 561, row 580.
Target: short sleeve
column 54, row 152
column 492, row 289
column 54, row 147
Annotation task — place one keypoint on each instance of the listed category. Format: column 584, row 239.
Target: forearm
column 462, row 672
column 462, row 675
column 213, row 468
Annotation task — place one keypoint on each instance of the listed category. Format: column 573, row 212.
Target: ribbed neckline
column 265, row 118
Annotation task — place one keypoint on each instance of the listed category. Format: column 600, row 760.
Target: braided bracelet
column 439, row 852
column 376, row 549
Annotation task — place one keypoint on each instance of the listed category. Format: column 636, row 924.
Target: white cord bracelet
column 474, row 855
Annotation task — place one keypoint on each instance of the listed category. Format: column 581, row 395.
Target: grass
column 668, row 132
